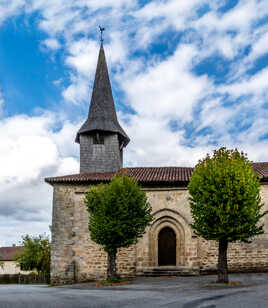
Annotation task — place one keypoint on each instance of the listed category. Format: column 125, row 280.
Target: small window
column 98, row 138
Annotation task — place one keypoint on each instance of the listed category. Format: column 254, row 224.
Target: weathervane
column 101, row 36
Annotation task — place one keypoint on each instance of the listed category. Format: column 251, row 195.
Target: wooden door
column 166, row 247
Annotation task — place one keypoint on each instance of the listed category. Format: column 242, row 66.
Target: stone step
column 158, row 272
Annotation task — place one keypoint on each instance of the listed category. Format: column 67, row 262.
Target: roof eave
column 143, row 183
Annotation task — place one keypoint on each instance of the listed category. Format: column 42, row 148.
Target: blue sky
column 27, row 71
column 188, row 76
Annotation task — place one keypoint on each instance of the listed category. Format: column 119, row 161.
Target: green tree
column 225, row 202
column 118, row 215
column 36, row 254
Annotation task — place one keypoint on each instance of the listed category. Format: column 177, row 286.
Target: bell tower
column 101, row 137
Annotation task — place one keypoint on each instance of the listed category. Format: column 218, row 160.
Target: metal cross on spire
column 101, row 36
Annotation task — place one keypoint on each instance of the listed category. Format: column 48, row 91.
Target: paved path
column 179, row 292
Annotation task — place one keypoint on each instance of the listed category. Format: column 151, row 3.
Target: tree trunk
column 111, row 271
column 222, row 262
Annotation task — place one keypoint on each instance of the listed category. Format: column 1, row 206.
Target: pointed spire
column 102, row 114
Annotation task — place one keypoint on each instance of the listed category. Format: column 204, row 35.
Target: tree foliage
column 119, row 213
column 36, row 254
column 225, row 198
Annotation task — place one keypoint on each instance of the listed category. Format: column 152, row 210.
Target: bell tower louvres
column 101, row 137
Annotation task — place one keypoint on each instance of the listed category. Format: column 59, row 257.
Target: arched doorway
column 166, row 247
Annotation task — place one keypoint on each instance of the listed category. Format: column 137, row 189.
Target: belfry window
column 98, row 138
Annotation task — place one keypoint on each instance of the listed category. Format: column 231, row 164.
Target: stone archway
column 167, row 247
column 180, row 226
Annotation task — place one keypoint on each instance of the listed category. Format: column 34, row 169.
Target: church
column 169, row 244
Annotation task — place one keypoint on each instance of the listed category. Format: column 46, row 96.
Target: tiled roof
column 160, row 174
column 141, row 174
column 9, row 253
column 261, row 169
column 146, row 175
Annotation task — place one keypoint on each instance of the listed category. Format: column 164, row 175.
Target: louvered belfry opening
column 166, row 247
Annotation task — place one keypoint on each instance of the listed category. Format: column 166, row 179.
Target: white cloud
column 154, row 144
column 211, row 111
column 30, row 150
column 83, row 57
column 78, row 90
column 229, row 33
column 167, row 90
column 259, row 47
column 30, row 147
column 10, row 8
column 72, row 17
column 163, row 91
column 172, row 11
column 52, row 43
column 240, row 18
column 157, row 16
column 256, row 84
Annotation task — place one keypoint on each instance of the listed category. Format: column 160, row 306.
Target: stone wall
column 12, row 267
column 105, row 157
column 76, row 258
column 62, row 241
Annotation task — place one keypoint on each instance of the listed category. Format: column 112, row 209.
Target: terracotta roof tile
column 145, row 175
column 141, row 174
column 9, row 253
column 261, row 169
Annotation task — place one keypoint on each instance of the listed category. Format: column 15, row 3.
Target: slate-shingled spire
column 101, row 137
column 102, row 115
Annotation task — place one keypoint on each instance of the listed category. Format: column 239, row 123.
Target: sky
column 187, row 76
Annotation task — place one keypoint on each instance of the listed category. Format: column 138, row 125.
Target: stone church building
column 169, row 243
